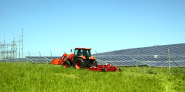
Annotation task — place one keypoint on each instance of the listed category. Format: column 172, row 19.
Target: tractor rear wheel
column 66, row 64
column 79, row 63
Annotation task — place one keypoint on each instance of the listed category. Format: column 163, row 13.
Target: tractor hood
column 91, row 57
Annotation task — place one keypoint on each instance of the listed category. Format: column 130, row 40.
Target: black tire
column 66, row 64
column 94, row 62
column 79, row 63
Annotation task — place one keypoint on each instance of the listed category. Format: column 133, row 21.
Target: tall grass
column 23, row 77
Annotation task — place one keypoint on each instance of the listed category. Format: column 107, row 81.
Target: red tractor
column 82, row 59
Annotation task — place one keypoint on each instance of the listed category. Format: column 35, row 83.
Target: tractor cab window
column 82, row 52
column 87, row 52
column 76, row 52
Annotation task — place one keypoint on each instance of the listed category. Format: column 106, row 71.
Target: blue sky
column 103, row 25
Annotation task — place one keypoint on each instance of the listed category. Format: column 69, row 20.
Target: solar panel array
column 157, row 56
column 43, row 59
column 34, row 59
column 16, row 60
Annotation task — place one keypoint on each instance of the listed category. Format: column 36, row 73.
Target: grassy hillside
column 23, row 77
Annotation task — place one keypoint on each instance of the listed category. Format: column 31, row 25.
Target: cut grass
column 21, row 76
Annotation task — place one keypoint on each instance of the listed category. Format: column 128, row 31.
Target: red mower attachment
column 104, row 68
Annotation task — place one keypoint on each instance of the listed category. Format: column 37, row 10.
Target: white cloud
column 58, row 50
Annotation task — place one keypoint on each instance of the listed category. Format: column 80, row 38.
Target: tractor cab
column 82, row 52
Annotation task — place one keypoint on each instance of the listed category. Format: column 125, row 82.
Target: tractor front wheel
column 66, row 64
column 79, row 63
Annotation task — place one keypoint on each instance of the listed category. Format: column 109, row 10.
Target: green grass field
column 23, row 77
